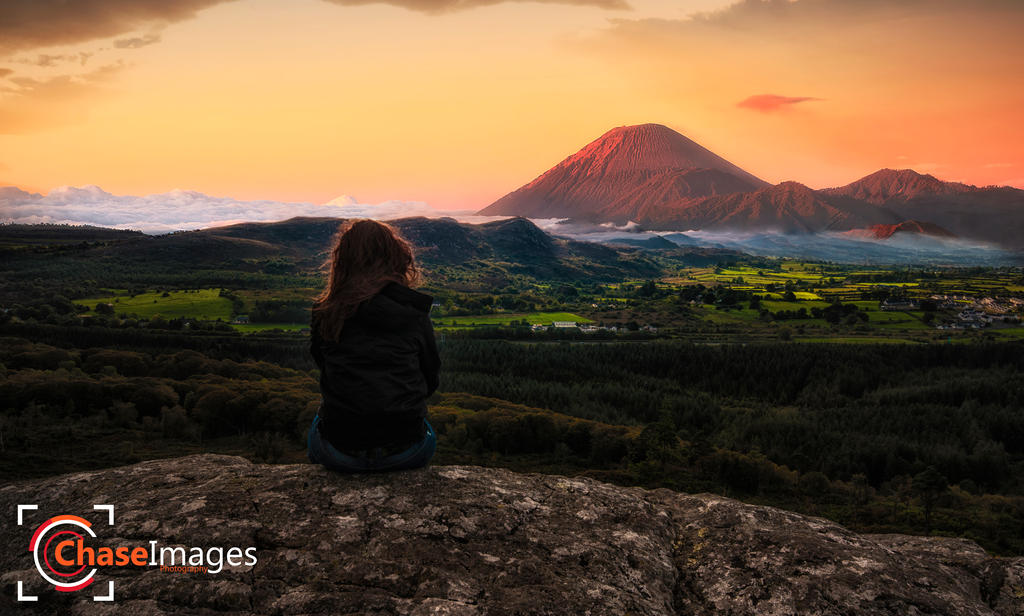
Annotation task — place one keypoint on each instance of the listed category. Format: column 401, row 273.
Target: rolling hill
column 460, row 255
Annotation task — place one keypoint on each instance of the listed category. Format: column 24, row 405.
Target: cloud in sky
column 182, row 209
column 42, row 23
column 30, row 24
column 765, row 13
column 138, row 41
column 447, row 6
column 48, row 60
column 831, row 36
column 767, row 103
column 5, row 72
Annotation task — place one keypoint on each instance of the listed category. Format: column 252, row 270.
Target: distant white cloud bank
column 184, row 209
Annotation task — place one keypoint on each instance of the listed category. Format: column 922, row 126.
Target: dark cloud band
column 31, row 24
column 447, row 6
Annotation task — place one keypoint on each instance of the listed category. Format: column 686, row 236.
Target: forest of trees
column 883, row 437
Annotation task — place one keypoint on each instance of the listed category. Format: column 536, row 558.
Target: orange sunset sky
column 457, row 102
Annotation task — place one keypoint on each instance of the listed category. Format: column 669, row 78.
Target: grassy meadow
column 205, row 304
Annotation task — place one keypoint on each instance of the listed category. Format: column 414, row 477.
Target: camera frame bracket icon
column 77, row 525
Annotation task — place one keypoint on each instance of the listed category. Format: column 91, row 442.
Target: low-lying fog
column 906, row 248
column 185, row 210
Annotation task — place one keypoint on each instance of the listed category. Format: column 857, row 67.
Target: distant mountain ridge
column 990, row 213
column 465, row 256
column 654, row 176
column 789, row 207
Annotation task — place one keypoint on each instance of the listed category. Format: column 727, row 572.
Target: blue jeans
column 320, row 451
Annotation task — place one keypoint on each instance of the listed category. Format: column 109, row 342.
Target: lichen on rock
column 466, row 540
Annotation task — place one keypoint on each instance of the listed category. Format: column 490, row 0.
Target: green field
column 895, row 319
column 813, row 285
column 713, row 315
column 1008, row 333
column 203, row 304
column 533, row 318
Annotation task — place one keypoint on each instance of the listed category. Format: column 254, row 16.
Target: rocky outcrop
column 903, row 229
column 467, row 540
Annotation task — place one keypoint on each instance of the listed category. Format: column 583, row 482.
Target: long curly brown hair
column 366, row 256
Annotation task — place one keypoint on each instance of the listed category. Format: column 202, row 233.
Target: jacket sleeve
column 430, row 361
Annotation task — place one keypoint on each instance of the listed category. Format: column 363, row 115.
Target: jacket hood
column 395, row 302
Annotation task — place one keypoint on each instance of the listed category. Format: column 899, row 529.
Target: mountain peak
column 791, row 186
column 648, row 147
column 648, row 127
column 903, row 178
column 646, row 133
column 887, row 185
column 904, row 174
column 610, row 168
column 343, row 201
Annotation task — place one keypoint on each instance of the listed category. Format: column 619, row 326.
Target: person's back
column 374, row 344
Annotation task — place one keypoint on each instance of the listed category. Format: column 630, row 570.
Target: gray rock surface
column 466, row 540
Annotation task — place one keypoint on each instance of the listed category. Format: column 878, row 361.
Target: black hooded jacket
column 376, row 378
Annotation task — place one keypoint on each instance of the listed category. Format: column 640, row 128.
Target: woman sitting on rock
column 374, row 344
